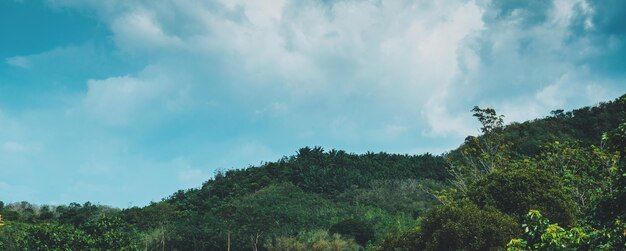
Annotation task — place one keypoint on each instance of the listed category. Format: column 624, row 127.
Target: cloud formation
column 390, row 55
column 415, row 57
column 223, row 84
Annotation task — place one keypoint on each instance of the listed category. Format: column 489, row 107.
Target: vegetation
column 555, row 183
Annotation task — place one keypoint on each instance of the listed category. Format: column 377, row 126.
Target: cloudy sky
column 124, row 102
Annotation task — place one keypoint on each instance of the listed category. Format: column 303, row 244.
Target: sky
column 124, row 102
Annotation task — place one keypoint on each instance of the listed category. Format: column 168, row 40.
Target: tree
column 539, row 234
column 516, row 190
column 77, row 214
column 360, row 230
column 480, row 155
column 45, row 214
column 609, row 210
column 51, row 236
column 467, row 227
column 462, row 226
column 111, row 233
column 281, row 209
column 315, row 240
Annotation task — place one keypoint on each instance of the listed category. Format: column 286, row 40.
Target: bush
column 466, row 227
column 404, row 241
column 457, row 227
column 361, row 231
column 316, row 240
column 44, row 236
column 516, row 191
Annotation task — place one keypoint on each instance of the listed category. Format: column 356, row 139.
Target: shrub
column 515, row 191
column 361, row 231
column 462, row 226
column 466, row 227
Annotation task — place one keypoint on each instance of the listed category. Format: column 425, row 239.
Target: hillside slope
column 567, row 165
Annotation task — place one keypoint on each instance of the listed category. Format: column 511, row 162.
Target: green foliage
column 546, row 164
column 155, row 215
column 480, row 155
column 111, row 233
column 609, row 210
column 360, row 230
column 465, row 227
column 341, row 182
column 582, row 170
column 385, row 222
column 331, row 173
column 76, row 214
column 514, row 191
column 540, row 234
column 407, row 240
column 102, row 234
column 456, row 227
column 606, row 209
column 47, row 236
column 411, row 196
column 586, row 124
column 193, row 231
column 315, row 240
column 281, row 209
column 490, row 120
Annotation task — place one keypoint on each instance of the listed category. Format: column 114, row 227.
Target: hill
column 562, row 175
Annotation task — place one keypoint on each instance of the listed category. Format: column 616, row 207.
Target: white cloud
column 443, row 122
column 192, row 177
column 188, row 175
column 17, row 138
column 13, row 147
column 556, row 94
column 232, row 83
column 597, row 93
column 139, row 31
column 244, row 153
column 430, row 61
column 388, row 54
column 118, row 101
column 572, row 90
column 19, row 61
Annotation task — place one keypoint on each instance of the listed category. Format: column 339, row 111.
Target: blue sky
column 125, row 102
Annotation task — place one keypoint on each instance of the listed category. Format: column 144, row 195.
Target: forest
column 553, row 183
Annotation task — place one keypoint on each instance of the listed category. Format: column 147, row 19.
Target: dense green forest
column 554, row 183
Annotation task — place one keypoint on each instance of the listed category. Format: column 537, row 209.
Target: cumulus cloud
column 534, row 59
column 115, row 100
column 237, row 82
column 388, row 55
column 13, row 147
column 138, row 30
column 120, row 101
column 19, row 61
column 429, row 61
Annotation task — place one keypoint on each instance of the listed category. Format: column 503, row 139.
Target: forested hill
column 586, row 125
column 562, row 177
column 332, row 172
column 313, row 170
